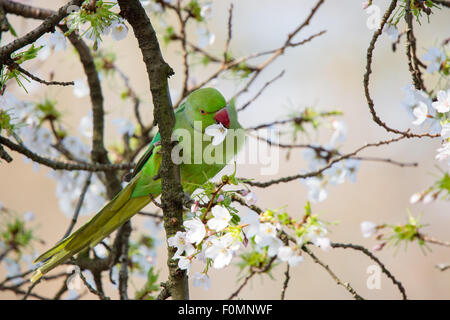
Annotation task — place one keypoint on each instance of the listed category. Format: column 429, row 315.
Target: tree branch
column 374, row 258
column 158, row 72
column 59, row 165
column 47, row 26
column 346, row 285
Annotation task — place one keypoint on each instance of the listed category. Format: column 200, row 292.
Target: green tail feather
column 113, row 214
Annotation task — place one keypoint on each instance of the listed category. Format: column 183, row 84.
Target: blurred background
column 326, row 73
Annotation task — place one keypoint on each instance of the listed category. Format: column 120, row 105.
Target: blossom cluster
column 93, row 23
column 432, row 115
column 215, row 232
column 394, row 235
column 318, row 157
column 16, row 242
column 202, row 11
column 27, row 119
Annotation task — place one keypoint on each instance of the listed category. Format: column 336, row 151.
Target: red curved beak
column 223, row 117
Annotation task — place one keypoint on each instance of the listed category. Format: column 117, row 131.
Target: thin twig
column 4, row 155
column 92, row 289
column 411, row 54
column 366, row 81
column 243, row 284
column 253, row 271
column 37, row 79
column 375, row 259
column 59, row 165
column 434, row 240
column 30, row 288
column 267, row 84
column 47, row 26
column 79, row 205
column 296, row 120
column 285, row 283
column 346, row 285
column 230, row 32
column 150, row 214
column 319, row 171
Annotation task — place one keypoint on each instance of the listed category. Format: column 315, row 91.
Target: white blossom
column 194, row 207
column 180, row 242
column 80, row 88
column 315, row 232
column 154, row 229
column 267, row 229
column 206, row 11
column 69, row 187
column 195, row 230
column 316, row 189
column 154, row 6
column 251, row 198
column 145, row 2
column 221, row 251
column 267, row 237
column 205, row 245
column 204, row 37
column 352, row 166
column 414, row 198
column 336, row 173
column 442, row 105
column 314, row 157
column 286, row 254
column 145, row 258
column 445, row 131
column 251, row 219
column 183, row 263
column 391, row 31
column 58, row 41
column 124, row 127
column 27, row 216
column 436, row 57
column 340, row 132
column 218, row 132
column 52, row 42
column 76, row 147
column 412, row 99
column 100, row 251
column 86, row 126
column 443, row 152
column 119, row 30
column 202, row 280
column 428, row 198
column 368, row 229
column 221, row 218
column 421, row 113
column 12, row 269
column 323, row 243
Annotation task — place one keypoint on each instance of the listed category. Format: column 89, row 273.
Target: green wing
column 143, row 160
column 156, row 141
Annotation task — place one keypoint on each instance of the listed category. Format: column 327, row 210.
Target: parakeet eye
column 202, row 111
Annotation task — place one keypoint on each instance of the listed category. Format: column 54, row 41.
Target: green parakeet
column 201, row 159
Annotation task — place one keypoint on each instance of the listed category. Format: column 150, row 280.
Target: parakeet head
column 208, row 106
